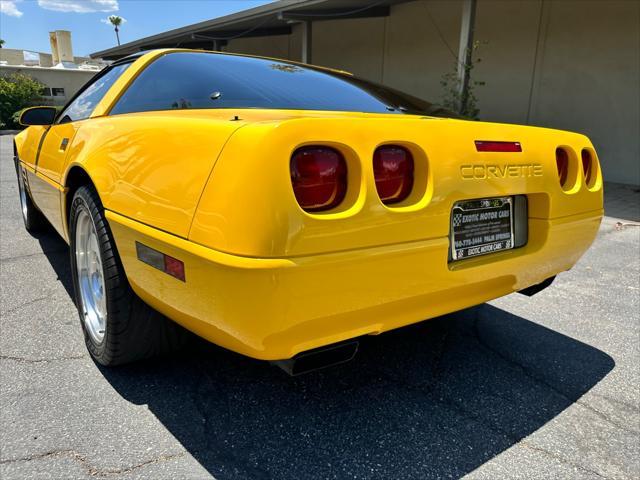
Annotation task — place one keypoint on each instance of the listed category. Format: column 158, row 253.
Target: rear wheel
column 118, row 326
column 34, row 221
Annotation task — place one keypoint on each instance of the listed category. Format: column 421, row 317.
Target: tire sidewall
column 30, row 215
column 22, row 190
column 82, row 201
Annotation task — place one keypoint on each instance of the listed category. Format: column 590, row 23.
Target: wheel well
column 76, row 178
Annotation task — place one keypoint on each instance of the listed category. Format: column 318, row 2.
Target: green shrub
column 17, row 91
column 450, row 83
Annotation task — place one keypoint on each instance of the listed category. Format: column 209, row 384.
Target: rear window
column 185, row 80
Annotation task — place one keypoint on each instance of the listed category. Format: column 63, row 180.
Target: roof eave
column 256, row 12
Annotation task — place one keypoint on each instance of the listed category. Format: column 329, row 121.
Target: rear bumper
column 275, row 308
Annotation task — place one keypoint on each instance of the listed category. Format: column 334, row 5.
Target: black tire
column 33, row 219
column 133, row 330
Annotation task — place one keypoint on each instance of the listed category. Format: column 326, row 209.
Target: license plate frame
column 481, row 227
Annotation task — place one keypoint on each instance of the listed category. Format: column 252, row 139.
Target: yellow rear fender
column 248, row 206
column 150, row 167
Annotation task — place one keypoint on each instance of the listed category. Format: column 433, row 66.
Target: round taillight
column 587, row 166
column 319, row 177
column 393, row 172
column 562, row 162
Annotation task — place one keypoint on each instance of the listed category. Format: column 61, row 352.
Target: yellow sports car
column 283, row 210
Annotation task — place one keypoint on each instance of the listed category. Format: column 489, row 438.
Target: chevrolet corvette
column 283, row 210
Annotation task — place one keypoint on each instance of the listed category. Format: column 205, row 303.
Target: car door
column 46, row 185
column 31, row 144
column 55, row 147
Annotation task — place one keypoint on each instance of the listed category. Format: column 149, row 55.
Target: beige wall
column 588, row 79
column 417, row 54
column 508, row 32
column 70, row 80
column 46, row 60
column 568, row 64
column 353, row 45
column 12, row 56
column 16, row 57
column 277, row 46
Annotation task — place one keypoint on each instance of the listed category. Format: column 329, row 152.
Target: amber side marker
column 161, row 261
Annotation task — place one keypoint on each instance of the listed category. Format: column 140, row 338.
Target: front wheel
column 118, row 326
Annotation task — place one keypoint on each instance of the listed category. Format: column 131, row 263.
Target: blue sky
column 24, row 24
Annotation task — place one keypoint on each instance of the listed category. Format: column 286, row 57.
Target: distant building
column 60, row 72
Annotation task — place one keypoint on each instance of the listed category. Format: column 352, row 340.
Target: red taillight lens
column 174, row 267
column 161, row 261
column 493, row 146
column 393, row 171
column 562, row 162
column 587, row 166
column 319, row 178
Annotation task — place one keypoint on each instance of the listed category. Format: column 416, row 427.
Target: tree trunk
column 117, row 36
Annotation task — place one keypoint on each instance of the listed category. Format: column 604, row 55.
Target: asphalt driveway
column 541, row 387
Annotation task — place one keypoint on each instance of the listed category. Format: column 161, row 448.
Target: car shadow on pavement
column 57, row 253
column 435, row 399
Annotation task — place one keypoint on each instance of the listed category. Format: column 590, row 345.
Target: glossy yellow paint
column 266, row 279
column 363, row 268
column 442, row 149
column 151, row 167
column 28, row 142
column 48, row 195
column 274, row 308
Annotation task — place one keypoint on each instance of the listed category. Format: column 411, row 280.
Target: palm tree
column 116, row 21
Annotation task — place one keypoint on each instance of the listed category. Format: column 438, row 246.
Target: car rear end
column 315, row 229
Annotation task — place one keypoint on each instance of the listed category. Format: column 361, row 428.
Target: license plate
column 480, row 227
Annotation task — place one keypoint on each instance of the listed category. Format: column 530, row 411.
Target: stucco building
column 60, row 72
column 568, row 64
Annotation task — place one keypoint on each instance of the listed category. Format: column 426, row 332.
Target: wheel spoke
column 90, row 276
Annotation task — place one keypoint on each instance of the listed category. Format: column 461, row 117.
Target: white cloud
column 106, row 20
column 9, row 7
column 79, row 6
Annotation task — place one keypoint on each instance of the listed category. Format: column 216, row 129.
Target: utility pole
column 307, row 44
column 465, row 54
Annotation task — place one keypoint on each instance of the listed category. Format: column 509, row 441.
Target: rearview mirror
column 38, row 116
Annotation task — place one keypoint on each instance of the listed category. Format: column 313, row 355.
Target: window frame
column 93, row 80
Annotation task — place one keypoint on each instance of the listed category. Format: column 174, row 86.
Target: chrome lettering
column 482, row 171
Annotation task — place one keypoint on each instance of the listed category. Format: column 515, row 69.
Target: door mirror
column 38, row 116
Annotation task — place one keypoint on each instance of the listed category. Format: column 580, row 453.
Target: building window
column 46, row 92
column 57, row 92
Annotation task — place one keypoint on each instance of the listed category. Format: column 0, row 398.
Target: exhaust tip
column 319, row 358
column 533, row 289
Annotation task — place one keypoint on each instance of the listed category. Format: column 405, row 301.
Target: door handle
column 64, row 143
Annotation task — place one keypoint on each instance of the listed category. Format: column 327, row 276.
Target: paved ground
column 542, row 387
